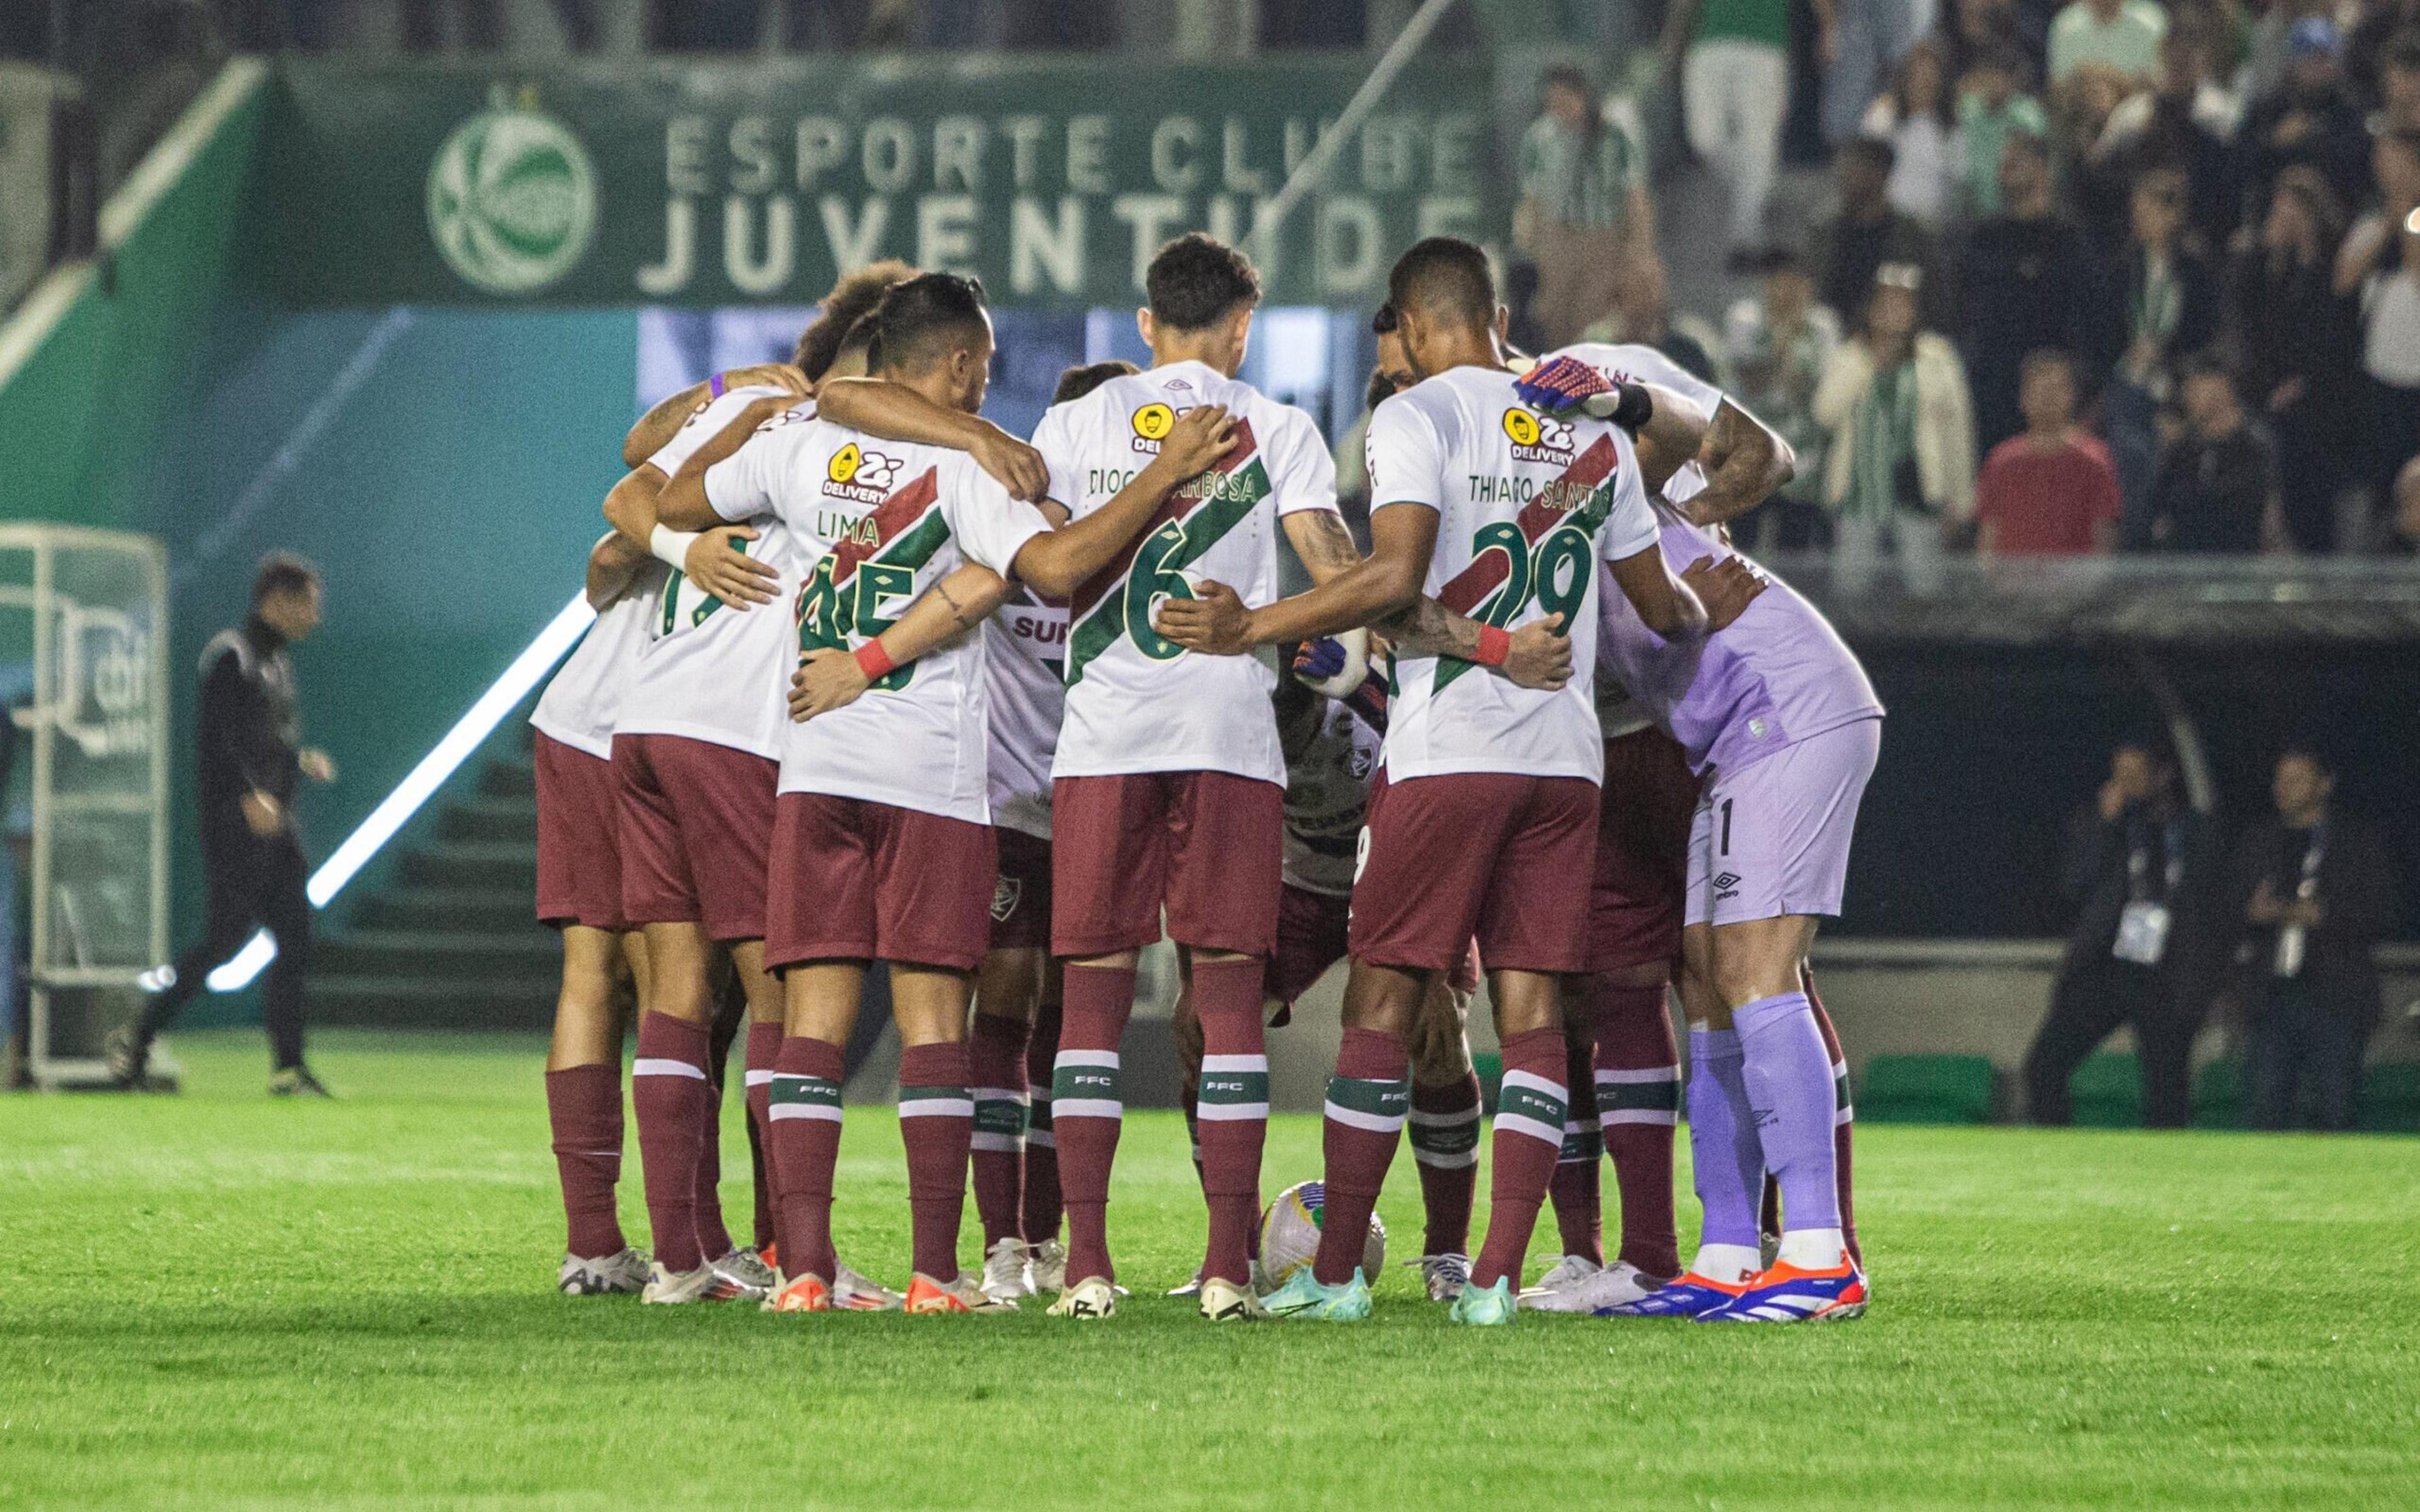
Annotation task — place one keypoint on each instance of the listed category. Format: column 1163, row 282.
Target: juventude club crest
column 512, row 198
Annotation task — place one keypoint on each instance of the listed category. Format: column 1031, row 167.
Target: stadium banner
column 711, row 183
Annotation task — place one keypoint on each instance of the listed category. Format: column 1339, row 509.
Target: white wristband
column 671, row 546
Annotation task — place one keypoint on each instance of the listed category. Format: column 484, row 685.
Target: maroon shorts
column 1642, row 853
column 1310, row 938
column 1021, row 901
column 1496, row 855
column 578, row 865
column 1208, row 844
column 853, row 880
column 694, row 821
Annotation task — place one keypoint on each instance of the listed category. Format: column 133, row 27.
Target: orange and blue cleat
column 1786, row 1293
column 1692, row 1296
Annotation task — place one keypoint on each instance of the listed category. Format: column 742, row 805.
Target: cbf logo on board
column 512, row 198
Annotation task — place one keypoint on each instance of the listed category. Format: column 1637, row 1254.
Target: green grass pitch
column 217, row 1300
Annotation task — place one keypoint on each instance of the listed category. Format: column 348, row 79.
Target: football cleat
column 297, row 1081
column 1608, row 1287
column 1486, row 1306
column 1091, row 1297
column 1692, row 1296
column 1303, row 1296
column 746, row 1269
column 806, row 1294
column 962, row 1295
column 129, row 1057
column 705, row 1284
column 1048, row 1263
column 1006, row 1274
column 1786, row 1294
column 857, row 1293
column 1567, row 1276
column 1223, row 1301
column 1193, row 1286
column 1445, row 1276
column 617, row 1275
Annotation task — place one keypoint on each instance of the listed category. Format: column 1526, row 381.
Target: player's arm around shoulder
column 896, row 412
column 1058, row 561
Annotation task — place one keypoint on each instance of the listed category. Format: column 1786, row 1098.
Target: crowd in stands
column 2107, row 276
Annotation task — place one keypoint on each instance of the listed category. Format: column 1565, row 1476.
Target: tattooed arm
column 1541, row 656
column 1745, row 460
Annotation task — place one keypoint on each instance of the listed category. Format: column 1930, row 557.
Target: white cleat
column 1048, row 1263
column 1568, row 1272
column 1615, row 1286
column 1090, row 1298
column 1444, row 1275
column 705, row 1284
column 1223, row 1301
column 620, row 1275
column 854, row 1292
column 1006, row 1274
column 747, row 1270
column 1193, row 1286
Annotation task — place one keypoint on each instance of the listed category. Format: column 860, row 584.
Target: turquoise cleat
column 1302, row 1296
column 1486, row 1305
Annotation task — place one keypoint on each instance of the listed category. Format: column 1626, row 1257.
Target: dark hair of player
column 921, row 319
column 850, row 299
column 1084, row 378
column 282, row 572
column 1385, row 321
column 1444, row 278
column 1195, row 281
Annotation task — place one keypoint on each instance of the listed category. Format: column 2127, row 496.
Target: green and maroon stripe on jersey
column 1187, row 525
column 1491, row 570
column 837, row 599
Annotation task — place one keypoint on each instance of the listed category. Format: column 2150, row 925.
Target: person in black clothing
column 2303, row 339
column 2314, row 892
column 2170, row 310
column 2312, row 120
column 2217, row 487
column 2026, row 280
column 2140, row 865
column 251, row 762
column 1852, row 249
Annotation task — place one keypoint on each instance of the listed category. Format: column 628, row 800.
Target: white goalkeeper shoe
column 617, row 1275
column 854, row 1292
column 1558, row 1289
column 1444, row 1275
column 1005, row 1273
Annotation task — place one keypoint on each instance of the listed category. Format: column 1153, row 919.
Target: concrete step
column 530, row 951
column 478, row 910
column 491, row 821
column 498, row 867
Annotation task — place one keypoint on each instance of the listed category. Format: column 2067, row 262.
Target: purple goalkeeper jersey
column 1777, row 675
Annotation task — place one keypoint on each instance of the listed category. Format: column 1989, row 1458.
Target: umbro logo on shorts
column 1728, row 879
column 1004, row 896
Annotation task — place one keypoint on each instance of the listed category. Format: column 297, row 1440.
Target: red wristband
column 872, row 660
column 1495, row 644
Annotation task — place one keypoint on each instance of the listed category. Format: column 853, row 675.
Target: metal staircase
column 452, row 941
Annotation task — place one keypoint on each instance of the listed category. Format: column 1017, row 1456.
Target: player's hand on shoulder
column 1540, row 655
column 1727, row 588
column 717, row 565
column 826, row 680
column 262, row 814
column 772, row 374
column 1213, row 621
column 1201, row 437
column 1017, row 466
column 316, row 764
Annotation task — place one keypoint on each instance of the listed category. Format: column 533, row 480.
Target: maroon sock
column 996, row 1067
column 1579, row 1215
column 1087, row 1110
column 583, row 1105
column 1529, row 1115
column 804, row 1118
column 1367, row 1099
column 1638, row 1103
column 764, row 1045
column 1843, row 1118
column 1232, row 1109
column 1042, row 1203
column 1445, row 1148
column 669, row 1092
column 713, row 1237
column 937, row 1118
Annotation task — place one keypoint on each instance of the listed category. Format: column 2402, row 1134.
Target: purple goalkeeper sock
column 1725, row 1158
column 1788, row 1077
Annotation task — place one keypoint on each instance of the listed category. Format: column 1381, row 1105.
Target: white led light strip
column 468, row 734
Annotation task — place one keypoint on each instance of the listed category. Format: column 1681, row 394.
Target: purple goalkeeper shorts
column 1772, row 837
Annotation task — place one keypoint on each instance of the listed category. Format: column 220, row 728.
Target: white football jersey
column 876, row 523
column 1527, row 504
column 583, row 697
column 1135, row 702
column 1327, row 798
column 1025, row 667
column 712, row 670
